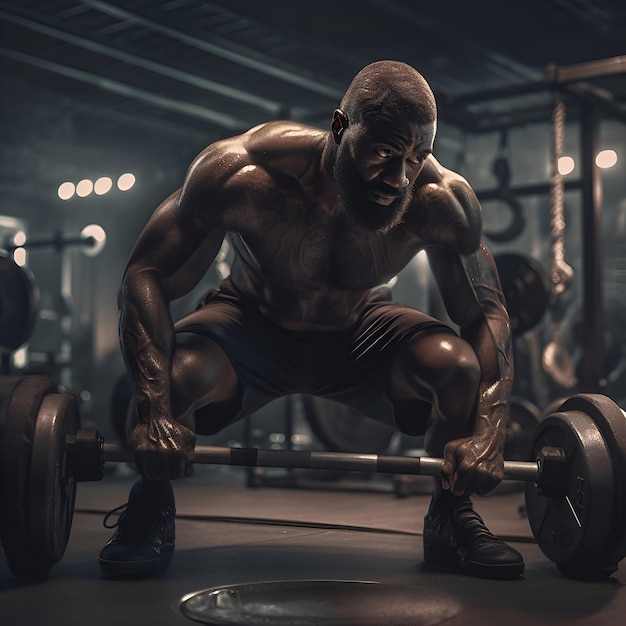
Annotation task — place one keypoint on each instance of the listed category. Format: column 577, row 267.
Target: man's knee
column 461, row 370
column 201, row 374
column 440, row 368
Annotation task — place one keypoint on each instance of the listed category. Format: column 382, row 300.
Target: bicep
column 469, row 284
column 174, row 248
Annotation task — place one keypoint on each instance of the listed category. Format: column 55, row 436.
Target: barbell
column 91, row 240
column 575, row 478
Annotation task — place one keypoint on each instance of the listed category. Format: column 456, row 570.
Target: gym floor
column 317, row 532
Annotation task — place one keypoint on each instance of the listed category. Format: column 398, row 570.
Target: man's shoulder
column 283, row 130
column 451, row 213
column 286, row 146
column 280, row 146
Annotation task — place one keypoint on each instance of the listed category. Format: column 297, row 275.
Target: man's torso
column 306, row 264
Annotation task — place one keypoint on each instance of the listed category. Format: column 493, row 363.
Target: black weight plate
column 18, row 425
column 342, row 429
column 611, row 421
column 572, row 530
column 19, row 300
column 7, row 386
column 52, row 492
column 526, row 289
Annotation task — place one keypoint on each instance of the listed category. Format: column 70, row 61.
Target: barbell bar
column 320, row 460
column 91, row 239
column 575, row 482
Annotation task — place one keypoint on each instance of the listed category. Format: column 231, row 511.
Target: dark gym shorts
column 350, row 366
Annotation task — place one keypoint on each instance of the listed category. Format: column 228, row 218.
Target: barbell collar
column 335, row 461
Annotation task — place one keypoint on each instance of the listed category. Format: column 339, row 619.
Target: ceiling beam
column 505, row 66
column 269, row 106
column 225, row 49
column 121, row 89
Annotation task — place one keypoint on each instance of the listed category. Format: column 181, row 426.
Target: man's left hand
column 471, row 465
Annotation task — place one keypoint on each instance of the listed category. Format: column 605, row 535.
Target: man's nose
column 395, row 175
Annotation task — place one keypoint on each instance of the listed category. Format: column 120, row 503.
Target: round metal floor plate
column 319, row 602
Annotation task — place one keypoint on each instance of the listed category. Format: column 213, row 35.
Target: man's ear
column 339, row 124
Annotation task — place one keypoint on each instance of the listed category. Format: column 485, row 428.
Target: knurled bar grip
column 340, row 461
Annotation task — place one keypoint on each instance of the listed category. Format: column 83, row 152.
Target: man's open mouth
column 383, row 198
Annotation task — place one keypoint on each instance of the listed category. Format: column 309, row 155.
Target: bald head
column 389, row 88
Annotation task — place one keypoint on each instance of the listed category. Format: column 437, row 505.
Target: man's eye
column 417, row 159
column 384, row 153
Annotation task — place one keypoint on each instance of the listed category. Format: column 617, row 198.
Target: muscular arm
column 170, row 256
column 183, row 237
column 468, row 281
column 471, row 292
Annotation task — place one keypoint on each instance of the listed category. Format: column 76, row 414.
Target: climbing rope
column 556, row 359
column 561, row 273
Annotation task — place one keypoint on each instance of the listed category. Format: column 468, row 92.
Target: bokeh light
column 66, row 190
column 606, row 158
column 97, row 238
column 84, row 188
column 19, row 256
column 19, row 238
column 566, row 165
column 102, row 185
column 125, row 181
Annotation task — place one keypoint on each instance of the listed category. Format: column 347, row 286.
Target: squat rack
column 570, row 81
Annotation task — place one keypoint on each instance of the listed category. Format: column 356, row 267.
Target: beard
column 356, row 197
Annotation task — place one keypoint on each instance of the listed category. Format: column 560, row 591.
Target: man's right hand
column 164, row 449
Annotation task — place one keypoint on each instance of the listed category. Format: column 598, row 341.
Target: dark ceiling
column 165, row 78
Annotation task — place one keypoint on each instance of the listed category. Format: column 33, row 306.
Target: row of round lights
column 604, row 160
column 566, row 164
column 101, row 186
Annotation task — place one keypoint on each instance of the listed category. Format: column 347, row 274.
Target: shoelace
column 111, row 513
column 473, row 525
column 136, row 523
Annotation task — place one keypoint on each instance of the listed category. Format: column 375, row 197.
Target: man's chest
column 315, row 251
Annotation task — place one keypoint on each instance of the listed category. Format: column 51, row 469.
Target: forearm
column 493, row 348
column 147, row 339
column 491, row 412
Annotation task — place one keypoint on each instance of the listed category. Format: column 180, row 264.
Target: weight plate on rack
column 526, row 289
column 342, row 429
column 572, row 529
column 52, row 491
column 19, row 300
column 19, row 414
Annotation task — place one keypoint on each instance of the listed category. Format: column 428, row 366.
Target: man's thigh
column 352, row 367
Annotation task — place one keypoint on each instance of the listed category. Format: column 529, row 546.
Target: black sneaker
column 143, row 542
column 456, row 536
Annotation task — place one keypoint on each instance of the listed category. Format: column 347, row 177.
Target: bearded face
column 372, row 204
